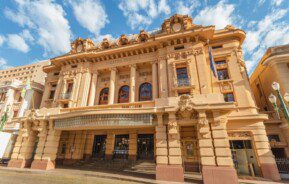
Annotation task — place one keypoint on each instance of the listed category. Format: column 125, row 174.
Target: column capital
column 154, row 62
column 113, row 69
column 132, row 65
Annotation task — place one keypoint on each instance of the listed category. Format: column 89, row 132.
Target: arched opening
column 103, row 96
column 123, row 94
column 145, row 92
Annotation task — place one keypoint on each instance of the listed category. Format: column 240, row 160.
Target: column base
column 108, row 157
column 43, row 164
column 19, row 163
column 270, row 171
column 170, row 173
column 219, row 175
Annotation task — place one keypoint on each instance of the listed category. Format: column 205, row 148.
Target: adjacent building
column 151, row 96
column 15, row 102
column 273, row 67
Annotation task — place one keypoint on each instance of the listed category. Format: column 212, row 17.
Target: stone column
column 43, row 133
column 171, row 169
column 225, row 167
column 109, row 146
column 132, row 83
column 49, row 154
column 84, row 89
column 203, row 70
column 92, row 89
column 266, row 158
column 207, row 156
column 64, row 87
column 22, row 153
column 155, row 80
column 88, row 145
column 163, row 78
column 112, row 86
column 132, row 154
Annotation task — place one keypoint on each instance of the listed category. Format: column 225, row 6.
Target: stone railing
column 143, row 104
column 65, row 96
column 183, row 82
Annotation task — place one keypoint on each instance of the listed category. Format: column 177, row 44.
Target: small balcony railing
column 65, row 96
column 184, row 82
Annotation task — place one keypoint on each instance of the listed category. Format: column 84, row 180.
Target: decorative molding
column 197, row 51
column 245, row 134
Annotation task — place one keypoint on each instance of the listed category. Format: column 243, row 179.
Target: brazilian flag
column 3, row 120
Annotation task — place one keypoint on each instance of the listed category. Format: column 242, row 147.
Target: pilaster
column 111, row 94
column 84, row 89
column 155, row 79
column 92, row 89
column 163, row 78
column 109, row 146
column 132, row 83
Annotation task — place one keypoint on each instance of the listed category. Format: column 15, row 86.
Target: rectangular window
column 69, row 88
column 52, row 94
column 217, row 46
column 179, row 47
column 15, row 114
column 182, row 77
column 229, row 97
column 65, row 105
column 274, row 137
column 223, row 74
column 220, row 62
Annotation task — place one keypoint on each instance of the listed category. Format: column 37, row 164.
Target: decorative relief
column 124, row 76
column 145, row 74
column 180, row 55
column 197, row 51
column 239, row 134
column 143, row 36
column 226, row 86
column 186, row 110
column 106, row 79
column 177, row 23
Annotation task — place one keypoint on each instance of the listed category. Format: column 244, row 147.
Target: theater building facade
column 151, row 96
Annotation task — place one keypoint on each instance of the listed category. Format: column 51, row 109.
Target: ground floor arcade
column 215, row 147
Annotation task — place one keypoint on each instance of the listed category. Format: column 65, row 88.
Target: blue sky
column 31, row 31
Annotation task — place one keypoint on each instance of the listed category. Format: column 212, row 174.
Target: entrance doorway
column 244, row 157
column 121, row 146
column 145, row 146
column 99, row 143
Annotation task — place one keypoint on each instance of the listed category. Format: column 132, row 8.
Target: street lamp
column 273, row 100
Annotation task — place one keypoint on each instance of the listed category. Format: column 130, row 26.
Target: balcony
column 65, row 96
column 143, row 104
column 184, row 82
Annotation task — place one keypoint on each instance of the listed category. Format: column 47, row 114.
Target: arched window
column 145, row 92
column 123, row 94
column 103, row 96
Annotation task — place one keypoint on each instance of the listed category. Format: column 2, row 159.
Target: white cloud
column 99, row 38
column 219, row 15
column 186, row 7
column 27, row 35
column 90, row 14
column 15, row 41
column 2, row 39
column 277, row 2
column 47, row 19
column 3, row 64
column 141, row 13
column 268, row 32
column 261, row 2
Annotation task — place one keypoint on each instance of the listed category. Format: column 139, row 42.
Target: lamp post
column 273, row 100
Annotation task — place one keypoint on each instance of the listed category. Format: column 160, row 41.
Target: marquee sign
column 105, row 120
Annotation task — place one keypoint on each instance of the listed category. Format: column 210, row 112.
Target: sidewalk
column 74, row 176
